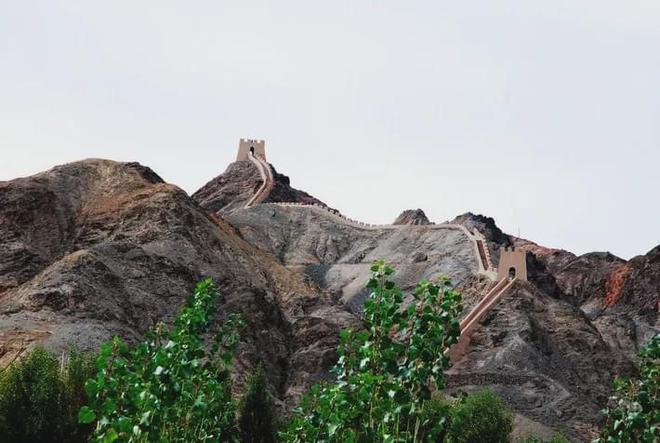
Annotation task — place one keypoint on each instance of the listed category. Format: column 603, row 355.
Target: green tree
column 480, row 418
column 39, row 398
column 170, row 387
column 633, row 414
column 256, row 422
column 78, row 369
column 386, row 372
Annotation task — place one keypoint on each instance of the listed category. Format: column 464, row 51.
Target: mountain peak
column 412, row 217
column 232, row 189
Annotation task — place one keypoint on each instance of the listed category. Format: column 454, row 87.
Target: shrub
column 634, row 411
column 39, row 399
column 386, row 372
column 480, row 418
column 436, row 418
column 557, row 438
column 256, row 423
column 169, row 387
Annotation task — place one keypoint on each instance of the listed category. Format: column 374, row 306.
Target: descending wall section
column 471, row 321
column 238, row 184
column 268, row 181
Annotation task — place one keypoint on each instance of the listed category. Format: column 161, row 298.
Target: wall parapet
column 247, row 146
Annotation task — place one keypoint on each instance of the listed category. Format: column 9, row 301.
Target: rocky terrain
column 337, row 256
column 551, row 347
column 97, row 248
column 412, row 217
column 234, row 187
column 620, row 298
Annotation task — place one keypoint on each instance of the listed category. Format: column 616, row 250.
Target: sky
column 544, row 115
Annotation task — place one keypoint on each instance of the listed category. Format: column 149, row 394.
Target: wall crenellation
column 247, row 145
column 512, row 260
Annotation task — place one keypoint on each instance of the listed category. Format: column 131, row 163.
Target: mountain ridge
column 95, row 248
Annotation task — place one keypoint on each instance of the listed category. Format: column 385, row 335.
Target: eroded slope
column 97, row 248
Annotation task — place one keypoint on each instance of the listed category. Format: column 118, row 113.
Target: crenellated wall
column 254, row 151
column 245, row 145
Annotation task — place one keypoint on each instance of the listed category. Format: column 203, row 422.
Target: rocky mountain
column 541, row 348
column 412, row 217
column 337, row 256
column 97, row 248
column 621, row 298
column 234, row 187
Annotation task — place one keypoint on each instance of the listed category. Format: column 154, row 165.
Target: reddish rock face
column 621, row 298
column 614, row 284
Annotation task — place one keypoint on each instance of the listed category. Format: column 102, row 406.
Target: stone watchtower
column 246, row 145
column 513, row 263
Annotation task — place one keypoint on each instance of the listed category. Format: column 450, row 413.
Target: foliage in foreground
column 386, row 373
column 39, row 398
column 169, row 387
column 634, row 414
column 256, row 419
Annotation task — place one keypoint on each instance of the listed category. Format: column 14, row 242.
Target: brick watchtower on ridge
column 513, row 263
column 247, row 145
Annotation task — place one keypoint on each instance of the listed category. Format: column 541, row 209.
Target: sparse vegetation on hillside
column 256, row 421
column 480, row 418
column 633, row 414
column 40, row 398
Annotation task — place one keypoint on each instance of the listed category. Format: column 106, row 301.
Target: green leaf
column 332, row 428
column 364, row 362
column 109, row 406
column 105, row 349
column 91, row 388
column 86, row 415
column 110, row 436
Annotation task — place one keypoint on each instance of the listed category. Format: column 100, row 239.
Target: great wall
column 512, row 262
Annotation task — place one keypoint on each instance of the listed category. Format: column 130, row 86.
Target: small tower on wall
column 513, row 263
column 247, row 146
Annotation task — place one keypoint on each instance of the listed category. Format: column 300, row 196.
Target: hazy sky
column 543, row 115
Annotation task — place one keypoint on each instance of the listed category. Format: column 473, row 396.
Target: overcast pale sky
column 542, row 114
